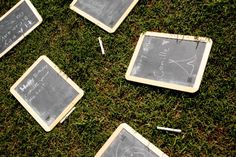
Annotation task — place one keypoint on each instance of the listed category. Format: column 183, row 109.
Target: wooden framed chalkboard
column 107, row 14
column 126, row 142
column 170, row 60
column 18, row 22
column 46, row 93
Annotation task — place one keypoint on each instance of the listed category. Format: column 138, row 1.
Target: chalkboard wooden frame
column 26, row 33
column 99, row 23
column 31, row 111
column 183, row 88
column 139, row 137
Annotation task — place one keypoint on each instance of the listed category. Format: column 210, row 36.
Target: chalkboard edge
column 144, row 141
column 128, row 75
column 27, row 106
column 178, row 36
column 162, row 84
column 110, row 140
column 89, row 17
column 203, row 64
column 33, row 9
column 125, row 15
column 134, row 133
column 99, row 23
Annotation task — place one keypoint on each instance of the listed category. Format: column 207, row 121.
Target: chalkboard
column 107, row 14
column 170, row 61
column 46, row 93
column 18, row 22
column 126, row 142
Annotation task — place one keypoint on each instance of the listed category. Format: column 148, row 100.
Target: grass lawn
column 207, row 118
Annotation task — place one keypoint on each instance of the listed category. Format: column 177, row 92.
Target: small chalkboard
column 46, row 93
column 169, row 60
column 126, row 142
column 107, row 14
column 18, row 22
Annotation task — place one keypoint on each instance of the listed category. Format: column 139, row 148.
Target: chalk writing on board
column 146, row 46
column 16, row 25
column 31, row 82
column 132, row 151
column 165, row 42
column 126, row 145
column 35, row 87
column 187, row 64
column 22, row 24
column 158, row 72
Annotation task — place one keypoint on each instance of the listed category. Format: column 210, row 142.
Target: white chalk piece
column 107, row 14
column 101, row 45
column 46, row 93
column 169, row 129
column 170, row 61
column 67, row 115
column 125, row 141
column 17, row 23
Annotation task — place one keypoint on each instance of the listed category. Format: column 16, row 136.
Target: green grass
column 207, row 117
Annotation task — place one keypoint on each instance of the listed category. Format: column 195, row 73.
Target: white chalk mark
column 136, row 68
column 162, row 75
column 34, row 86
column 6, row 43
column 21, row 30
column 182, row 63
column 143, row 56
column 165, row 42
column 40, row 71
column 166, row 50
column 157, row 75
column 169, row 129
column 101, row 45
column 29, row 83
column 26, row 18
column 30, row 22
column 134, row 151
column 147, row 45
column 42, row 79
column 162, row 55
column 14, row 37
column 117, row 149
column 31, row 99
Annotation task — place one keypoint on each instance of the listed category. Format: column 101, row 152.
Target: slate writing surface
column 169, row 60
column 46, row 92
column 12, row 27
column 126, row 145
column 107, row 11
